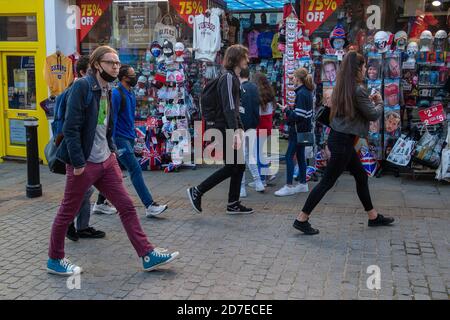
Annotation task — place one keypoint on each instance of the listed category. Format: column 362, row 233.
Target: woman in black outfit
column 351, row 111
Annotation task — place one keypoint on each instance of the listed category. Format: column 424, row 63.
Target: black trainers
column 72, row 233
column 238, row 208
column 195, row 197
column 305, row 227
column 91, row 233
column 380, row 221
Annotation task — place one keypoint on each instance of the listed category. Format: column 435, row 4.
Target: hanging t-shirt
column 100, row 150
column 207, row 39
column 264, row 43
column 276, row 54
column 165, row 32
column 252, row 38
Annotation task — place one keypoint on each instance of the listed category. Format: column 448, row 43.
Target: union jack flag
column 368, row 161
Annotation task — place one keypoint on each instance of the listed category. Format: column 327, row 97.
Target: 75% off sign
column 316, row 12
column 188, row 9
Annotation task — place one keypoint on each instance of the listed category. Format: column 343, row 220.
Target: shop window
column 21, row 82
column 18, row 28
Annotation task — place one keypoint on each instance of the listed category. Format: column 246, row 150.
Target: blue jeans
column 263, row 162
column 84, row 215
column 125, row 148
column 293, row 149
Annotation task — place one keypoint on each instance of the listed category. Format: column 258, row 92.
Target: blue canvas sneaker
column 156, row 258
column 62, row 267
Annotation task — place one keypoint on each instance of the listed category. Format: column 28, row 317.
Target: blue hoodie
column 124, row 119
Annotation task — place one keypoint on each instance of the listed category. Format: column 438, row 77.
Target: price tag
column 432, row 115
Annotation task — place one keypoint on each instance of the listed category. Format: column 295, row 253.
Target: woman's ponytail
column 303, row 75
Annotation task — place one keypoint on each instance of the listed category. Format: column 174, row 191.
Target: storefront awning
column 237, row 5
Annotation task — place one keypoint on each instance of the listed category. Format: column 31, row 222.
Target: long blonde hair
column 303, row 75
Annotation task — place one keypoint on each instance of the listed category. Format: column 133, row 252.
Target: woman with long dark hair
column 351, row 111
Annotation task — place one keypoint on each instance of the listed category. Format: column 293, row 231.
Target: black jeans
column 233, row 170
column 343, row 156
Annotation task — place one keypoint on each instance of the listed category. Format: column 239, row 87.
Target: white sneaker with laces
column 301, row 188
column 155, row 210
column 260, row 187
column 104, row 208
column 254, row 185
column 285, row 191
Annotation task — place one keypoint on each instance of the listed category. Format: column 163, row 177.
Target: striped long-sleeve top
column 300, row 118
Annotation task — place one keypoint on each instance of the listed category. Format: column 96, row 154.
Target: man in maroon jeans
column 88, row 151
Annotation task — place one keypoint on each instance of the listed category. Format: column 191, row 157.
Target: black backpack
column 210, row 102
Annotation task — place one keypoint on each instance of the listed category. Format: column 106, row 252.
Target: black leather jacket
column 366, row 111
column 81, row 122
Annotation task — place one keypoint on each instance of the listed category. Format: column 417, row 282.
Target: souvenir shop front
column 174, row 46
column 406, row 45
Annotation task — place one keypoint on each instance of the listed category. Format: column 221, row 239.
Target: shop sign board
column 432, row 115
column 90, row 12
column 316, row 12
column 138, row 26
column 188, row 9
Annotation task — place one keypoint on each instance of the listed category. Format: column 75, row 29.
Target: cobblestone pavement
column 259, row 256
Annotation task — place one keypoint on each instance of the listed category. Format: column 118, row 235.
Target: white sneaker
column 254, row 185
column 104, row 208
column 259, row 187
column 301, row 188
column 155, row 210
column 243, row 193
column 285, row 191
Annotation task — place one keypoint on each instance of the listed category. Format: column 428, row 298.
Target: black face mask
column 132, row 82
column 106, row 76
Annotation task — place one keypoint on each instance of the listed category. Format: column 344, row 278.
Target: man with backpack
column 82, row 229
column 89, row 153
column 220, row 105
column 124, row 108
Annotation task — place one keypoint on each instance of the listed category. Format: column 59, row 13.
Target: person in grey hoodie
column 352, row 109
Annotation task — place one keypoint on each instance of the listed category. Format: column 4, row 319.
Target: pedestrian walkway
column 259, row 256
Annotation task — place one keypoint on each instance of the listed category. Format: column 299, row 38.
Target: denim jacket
column 80, row 122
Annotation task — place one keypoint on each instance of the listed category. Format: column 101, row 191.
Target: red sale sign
column 315, row 12
column 188, row 9
column 302, row 48
column 90, row 12
column 432, row 115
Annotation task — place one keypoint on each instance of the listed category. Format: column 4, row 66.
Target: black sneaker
column 91, row 233
column 195, row 197
column 238, row 208
column 72, row 233
column 380, row 221
column 305, row 227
